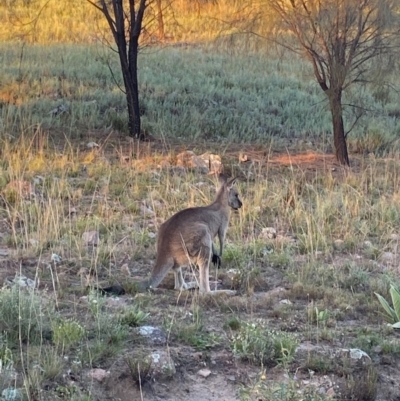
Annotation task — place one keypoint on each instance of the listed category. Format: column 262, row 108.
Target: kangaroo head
column 233, row 196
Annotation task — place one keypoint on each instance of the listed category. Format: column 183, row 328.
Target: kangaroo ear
column 231, row 183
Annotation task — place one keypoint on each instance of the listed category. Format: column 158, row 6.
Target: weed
column 66, row 333
column 261, row 389
column 189, row 334
column 140, row 367
column 233, row 323
column 24, row 315
column 134, row 316
column 256, row 343
column 392, row 314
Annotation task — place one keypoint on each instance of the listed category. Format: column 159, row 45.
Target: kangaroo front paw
column 216, row 260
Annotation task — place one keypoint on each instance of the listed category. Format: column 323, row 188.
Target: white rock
column 11, row 394
column 55, row 258
column 92, row 145
column 163, row 365
column 153, row 334
column 204, row 373
column 356, row 353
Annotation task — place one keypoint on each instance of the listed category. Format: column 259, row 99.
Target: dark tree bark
column 126, row 27
column 339, row 137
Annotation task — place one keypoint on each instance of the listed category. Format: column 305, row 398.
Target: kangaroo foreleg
column 216, row 259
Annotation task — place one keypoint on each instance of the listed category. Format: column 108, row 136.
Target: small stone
column 91, row 145
column 3, row 252
column 163, row 365
column 153, row 334
column 267, row 233
column 91, row 238
column 98, row 374
column 231, row 378
column 125, row 270
column 367, row 244
column 206, row 163
column 338, row 244
column 30, row 283
column 55, row 258
column 204, row 373
column 285, row 302
column 152, row 235
column 212, row 162
column 115, row 302
column 20, row 281
column 356, row 353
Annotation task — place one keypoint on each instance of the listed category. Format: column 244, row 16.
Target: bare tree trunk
column 127, row 41
column 339, row 138
column 129, row 74
column 132, row 95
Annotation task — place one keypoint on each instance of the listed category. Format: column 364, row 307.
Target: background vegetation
column 202, row 89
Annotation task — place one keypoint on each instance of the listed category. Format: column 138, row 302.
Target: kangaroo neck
column 221, row 202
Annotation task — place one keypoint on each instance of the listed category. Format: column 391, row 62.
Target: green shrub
column 256, row 343
column 67, row 332
column 133, row 317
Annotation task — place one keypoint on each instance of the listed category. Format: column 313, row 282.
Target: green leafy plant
column 392, row 314
column 256, row 343
column 134, row 316
column 67, row 332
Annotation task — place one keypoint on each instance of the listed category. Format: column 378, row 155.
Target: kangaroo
column 187, row 237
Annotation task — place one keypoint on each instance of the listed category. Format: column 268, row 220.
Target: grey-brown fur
column 187, row 237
